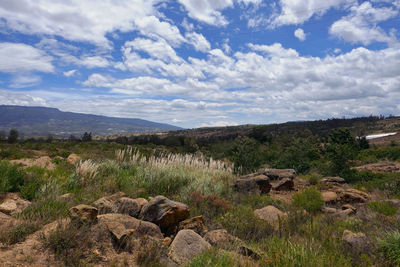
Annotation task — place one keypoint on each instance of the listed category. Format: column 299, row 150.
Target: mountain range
column 44, row 121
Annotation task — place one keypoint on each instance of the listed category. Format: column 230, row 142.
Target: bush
column 212, row 257
column 11, row 177
column 246, row 155
column 390, row 248
column 240, row 221
column 385, row 207
column 19, row 232
column 310, row 199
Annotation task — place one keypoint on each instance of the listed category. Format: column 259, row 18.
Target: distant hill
column 43, row 121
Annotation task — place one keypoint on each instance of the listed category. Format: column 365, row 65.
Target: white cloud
column 218, row 124
column 198, row 41
column 299, row 34
column 360, row 25
column 69, row 73
column 159, row 49
column 299, row 11
column 207, row 11
column 27, row 80
column 17, row 58
column 20, row 99
column 88, row 20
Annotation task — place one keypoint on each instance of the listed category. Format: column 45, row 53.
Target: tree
column 342, row 148
column 13, row 136
column 363, row 142
column 246, row 155
column 87, row 137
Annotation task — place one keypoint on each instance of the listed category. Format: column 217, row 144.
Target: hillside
column 42, row 121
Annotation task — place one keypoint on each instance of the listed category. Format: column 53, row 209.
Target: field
column 322, row 222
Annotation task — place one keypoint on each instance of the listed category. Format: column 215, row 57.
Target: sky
column 198, row 63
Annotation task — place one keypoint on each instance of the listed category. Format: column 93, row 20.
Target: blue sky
column 195, row 63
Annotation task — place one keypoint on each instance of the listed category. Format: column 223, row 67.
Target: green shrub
column 11, row 177
column 45, row 211
column 19, row 232
column 212, row 258
column 310, row 199
column 390, row 248
column 240, row 221
column 385, row 207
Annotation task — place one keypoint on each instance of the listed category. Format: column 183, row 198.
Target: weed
column 390, row 248
column 384, row 207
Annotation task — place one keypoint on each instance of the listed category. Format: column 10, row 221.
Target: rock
column 12, row 203
column 357, row 241
column 73, row 159
column 196, row 224
column 380, row 167
column 329, row 196
column 354, row 196
column 126, row 205
column 248, row 252
column 104, row 205
column 66, row 197
column 43, row 162
column 186, row 245
column 220, row 238
column 345, row 212
column 348, row 206
column 166, row 241
column 285, row 184
column 252, row 184
column 333, row 180
column 279, row 174
column 271, row 215
column 83, row 214
column 329, row 210
column 121, row 225
column 165, row 213
column 6, row 220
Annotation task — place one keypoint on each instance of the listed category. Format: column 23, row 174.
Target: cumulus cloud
column 69, row 73
column 20, row 99
column 299, row 34
column 198, row 41
column 88, row 20
column 360, row 26
column 297, row 12
column 207, row 11
column 18, row 57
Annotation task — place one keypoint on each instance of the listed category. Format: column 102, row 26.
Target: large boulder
column 73, row 159
column 123, row 226
column 279, row 174
column 126, row 205
column 12, row 203
column 354, row 196
column 220, row 238
column 165, row 213
column 83, row 214
column 196, row 224
column 272, row 215
column 186, row 245
column 104, row 205
column 333, row 180
column 329, row 196
column 286, row 184
column 356, row 241
column 253, row 184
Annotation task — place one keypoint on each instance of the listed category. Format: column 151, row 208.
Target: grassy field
column 309, row 238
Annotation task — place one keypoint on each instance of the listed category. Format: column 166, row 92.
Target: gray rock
column 285, row 184
column 186, row 245
column 253, row 184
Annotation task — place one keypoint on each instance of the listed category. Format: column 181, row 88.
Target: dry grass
column 87, row 170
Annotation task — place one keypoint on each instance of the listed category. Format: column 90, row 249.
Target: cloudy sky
column 203, row 62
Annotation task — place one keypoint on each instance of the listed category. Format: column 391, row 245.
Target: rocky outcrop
column 253, row 184
column 285, row 184
column 356, row 241
column 43, row 162
column 279, row 174
column 104, row 205
column 220, row 238
column 271, row 215
column 12, row 203
column 129, row 206
column 186, row 245
column 122, row 226
column 196, row 224
column 83, row 214
column 332, row 180
column 380, row 167
column 165, row 213
column 354, row 196
column 330, row 196
column 73, row 159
